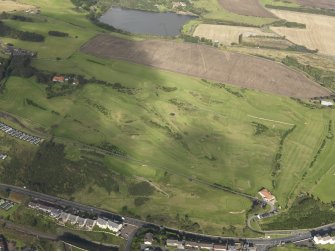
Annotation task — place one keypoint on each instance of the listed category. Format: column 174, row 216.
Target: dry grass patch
column 9, row 6
column 324, row 4
column 227, row 34
column 319, row 33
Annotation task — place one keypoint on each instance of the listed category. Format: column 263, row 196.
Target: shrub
column 58, row 34
column 142, row 188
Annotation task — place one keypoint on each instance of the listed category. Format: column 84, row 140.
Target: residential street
column 261, row 243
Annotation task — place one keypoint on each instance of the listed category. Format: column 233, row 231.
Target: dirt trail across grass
column 246, row 8
column 191, row 59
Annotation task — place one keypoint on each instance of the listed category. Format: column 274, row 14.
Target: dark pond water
column 144, row 22
column 84, row 244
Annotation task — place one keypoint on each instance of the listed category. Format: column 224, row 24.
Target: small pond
column 145, row 22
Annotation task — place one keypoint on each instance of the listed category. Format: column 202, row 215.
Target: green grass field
column 181, row 133
column 215, row 11
column 279, row 3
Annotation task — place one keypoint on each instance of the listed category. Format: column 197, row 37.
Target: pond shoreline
column 143, row 22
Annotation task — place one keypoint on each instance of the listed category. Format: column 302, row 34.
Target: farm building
column 326, row 103
column 267, row 196
column 59, row 79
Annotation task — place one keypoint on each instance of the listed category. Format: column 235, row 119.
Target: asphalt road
column 261, row 243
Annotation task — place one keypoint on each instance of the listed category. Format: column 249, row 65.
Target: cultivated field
column 226, row 34
column 325, row 4
column 207, row 62
column 8, row 6
column 319, row 33
column 246, row 7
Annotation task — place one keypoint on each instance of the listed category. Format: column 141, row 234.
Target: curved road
column 261, row 243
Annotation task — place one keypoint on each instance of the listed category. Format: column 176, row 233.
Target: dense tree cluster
column 6, row 15
column 306, row 212
column 49, row 171
column 324, row 77
column 7, row 31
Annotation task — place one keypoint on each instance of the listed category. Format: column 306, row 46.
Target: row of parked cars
column 6, row 204
column 20, row 135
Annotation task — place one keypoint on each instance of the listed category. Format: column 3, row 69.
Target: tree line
column 7, row 31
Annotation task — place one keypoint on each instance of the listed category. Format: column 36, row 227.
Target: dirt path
column 270, row 120
column 153, row 185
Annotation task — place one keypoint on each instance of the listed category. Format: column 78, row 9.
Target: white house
column 220, row 247
column 43, row 208
column 326, row 103
column 324, row 240
column 32, row 205
column 206, row 246
column 101, row 223
column 73, row 219
column 55, row 213
column 64, row 217
column 89, row 225
column 3, row 156
column 172, row 243
column 81, row 222
column 115, row 227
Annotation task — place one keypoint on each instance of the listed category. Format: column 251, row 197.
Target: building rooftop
column 266, row 194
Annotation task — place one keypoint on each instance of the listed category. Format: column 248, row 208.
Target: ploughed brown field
column 208, row 63
column 246, row 8
column 326, row 4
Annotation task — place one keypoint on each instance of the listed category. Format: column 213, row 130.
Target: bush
column 142, row 188
column 259, row 128
column 306, row 212
column 7, row 31
column 324, row 77
column 139, row 201
column 58, row 34
column 32, row 103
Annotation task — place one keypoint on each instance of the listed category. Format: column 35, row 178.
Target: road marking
column 276, row 121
